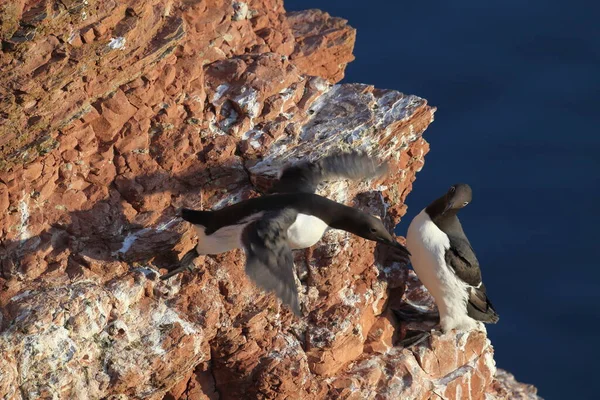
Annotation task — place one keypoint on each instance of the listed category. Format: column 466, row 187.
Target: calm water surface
column 517, row 88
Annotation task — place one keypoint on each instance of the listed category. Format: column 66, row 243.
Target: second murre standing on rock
column 445, row 262
column 292, row 216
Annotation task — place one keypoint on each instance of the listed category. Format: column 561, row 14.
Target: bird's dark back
column 305, row 203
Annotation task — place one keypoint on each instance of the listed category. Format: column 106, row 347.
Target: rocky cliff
column 115, row 114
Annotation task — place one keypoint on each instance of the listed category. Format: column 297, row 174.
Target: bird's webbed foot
column 412, row 314
column 399, row 255
column 414, row 338
column 186, row 264
column 392, row 254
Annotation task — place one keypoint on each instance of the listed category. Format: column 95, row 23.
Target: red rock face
column 115, row 114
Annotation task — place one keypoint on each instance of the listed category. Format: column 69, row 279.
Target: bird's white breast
column 428, row 245
column 305, row 231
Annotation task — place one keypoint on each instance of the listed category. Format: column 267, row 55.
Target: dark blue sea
column 517, row 85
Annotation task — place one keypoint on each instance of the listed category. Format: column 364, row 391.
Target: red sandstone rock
column 381, row 336
column 314, row 31
column 506, row 387
column 115, row 114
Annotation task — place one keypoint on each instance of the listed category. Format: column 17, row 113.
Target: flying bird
column 291, row 216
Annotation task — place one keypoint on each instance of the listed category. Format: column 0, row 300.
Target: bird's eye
column 373, row 230
column 465, row 203
column 452, row 189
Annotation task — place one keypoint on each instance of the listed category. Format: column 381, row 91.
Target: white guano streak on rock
column 247, row 100
column 24, row 233
column 228, row 122
column 165, row 316
column 126, row 295
column 286, row 94
column 130, row 240
column 240, row 11
column 229, row 198
column 21, row 295
column 348, row 296
column 132, row 237
column 384, row 205
column 117, row 43
column 72, row 36
column 149, row 332
column 55, row 343
column 252, row 133
column 320, row 337
column 379, row 290
column 345, row 116
column 214, row 128
column 488, row 358
column 221, row 89
column 461, row 340
column 420, row 158
column 292, row 348
column 278, row 153
column 336, row 191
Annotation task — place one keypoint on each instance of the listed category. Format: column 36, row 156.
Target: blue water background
column 517, row 87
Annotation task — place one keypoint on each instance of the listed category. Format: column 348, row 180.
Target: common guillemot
column 446, row 264
column 290, row 217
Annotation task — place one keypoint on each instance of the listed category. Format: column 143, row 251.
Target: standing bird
column 445, row 262
column 290, row 217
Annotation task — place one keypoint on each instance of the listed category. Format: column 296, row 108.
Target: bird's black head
column 457, row 197
column 371, row 228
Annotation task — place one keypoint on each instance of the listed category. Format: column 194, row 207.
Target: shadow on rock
column 136, row 224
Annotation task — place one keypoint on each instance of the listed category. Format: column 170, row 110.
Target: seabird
column 446, row 264
column 291, row 216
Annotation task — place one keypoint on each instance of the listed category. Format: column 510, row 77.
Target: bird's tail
column 480, row 308
column 195, row 216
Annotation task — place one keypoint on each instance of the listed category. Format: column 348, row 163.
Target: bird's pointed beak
column 402, row 248
column 448, row 206
column 390, row 241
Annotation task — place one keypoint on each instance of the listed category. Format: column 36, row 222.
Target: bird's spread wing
column 461, row 258
column 306, row 176
column 269, row 260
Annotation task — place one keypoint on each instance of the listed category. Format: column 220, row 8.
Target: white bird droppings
column 117, row 43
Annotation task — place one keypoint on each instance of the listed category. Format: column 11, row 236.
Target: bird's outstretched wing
column 306, row 176
column 269, row 260
column 461, row 258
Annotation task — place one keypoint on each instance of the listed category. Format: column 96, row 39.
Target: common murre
column 446, row 264
column 290, row 217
